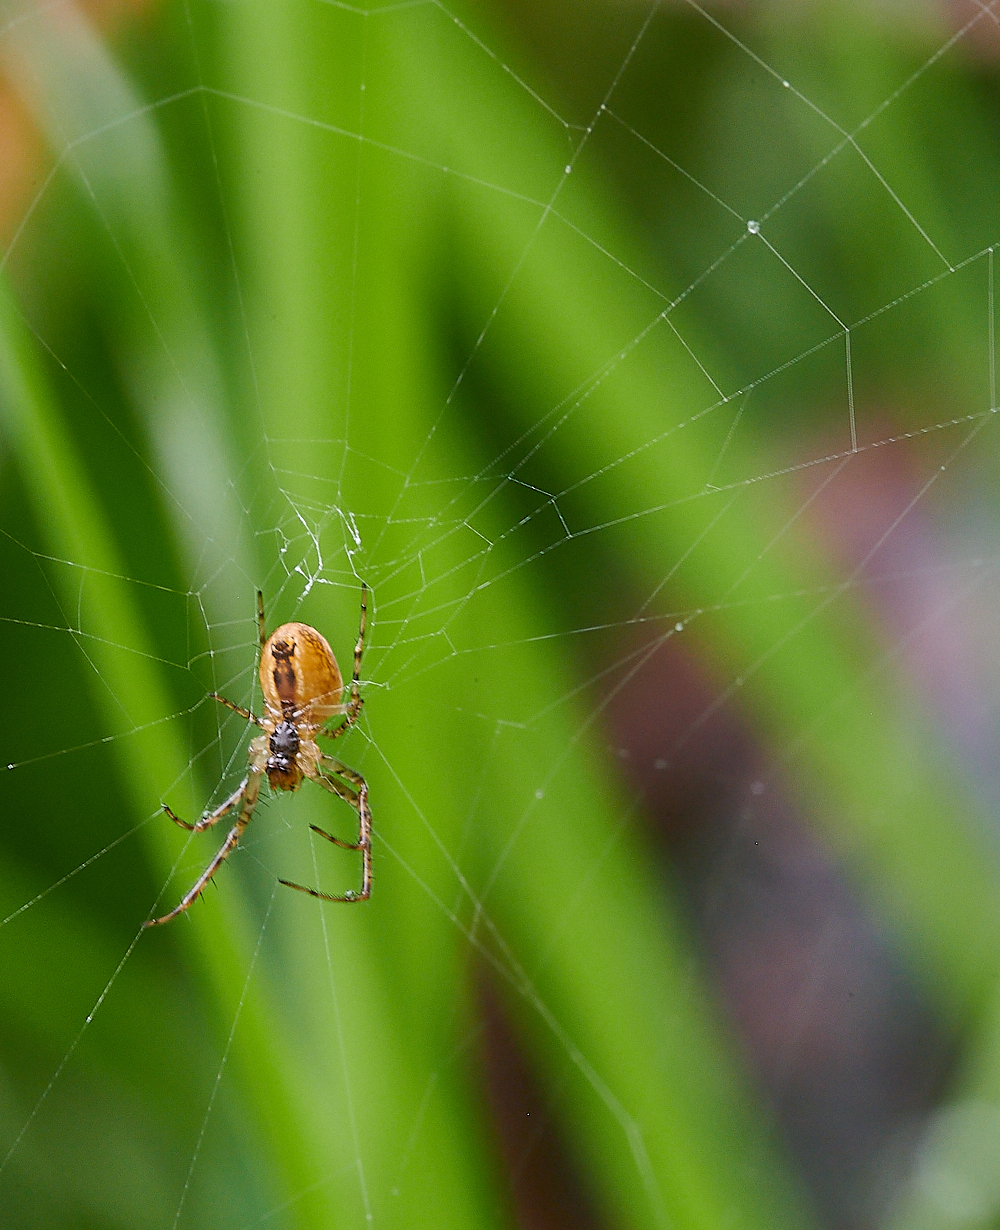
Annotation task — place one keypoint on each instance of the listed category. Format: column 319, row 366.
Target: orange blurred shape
column 24, row 158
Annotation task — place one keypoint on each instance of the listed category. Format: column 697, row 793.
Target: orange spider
column 302, row 688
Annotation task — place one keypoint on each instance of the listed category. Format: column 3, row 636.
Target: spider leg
column 364, row 843
column 260, row 619
column 244, row 713
column 342, row 770
column 343, row 792
column 348, row 897
column 344, row 845
column 211, row 817
column 355, row 703
column 250, row 791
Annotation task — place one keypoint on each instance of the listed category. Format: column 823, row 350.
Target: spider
column 303, row 689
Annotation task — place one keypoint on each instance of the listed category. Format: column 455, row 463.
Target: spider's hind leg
column 244, row 713
column 260, row 619
column 353, row 708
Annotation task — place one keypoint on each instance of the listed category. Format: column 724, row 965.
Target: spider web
column 452, row 535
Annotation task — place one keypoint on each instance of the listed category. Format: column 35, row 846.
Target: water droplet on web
column 678, row 627
column 757, row 788
column 539, row 794
column 568, row 169
column 753, row 227
column 786, row 84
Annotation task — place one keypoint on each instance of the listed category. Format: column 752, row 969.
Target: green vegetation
column 265, row 327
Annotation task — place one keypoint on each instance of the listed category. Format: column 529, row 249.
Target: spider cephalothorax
column 284, row 745
column 303, row 689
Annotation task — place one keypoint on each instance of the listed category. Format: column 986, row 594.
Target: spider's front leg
column 359, row 801
column 364, row 845
column 212, row 817
column 246, row 796
column 258, row 757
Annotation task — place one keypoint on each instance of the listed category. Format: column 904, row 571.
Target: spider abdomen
column 299, row 676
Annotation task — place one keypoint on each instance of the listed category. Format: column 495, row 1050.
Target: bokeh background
column 641, row 359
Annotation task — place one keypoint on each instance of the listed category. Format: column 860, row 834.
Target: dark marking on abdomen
column 284, row 674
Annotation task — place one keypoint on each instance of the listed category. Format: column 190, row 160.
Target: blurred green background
column 641, row 360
